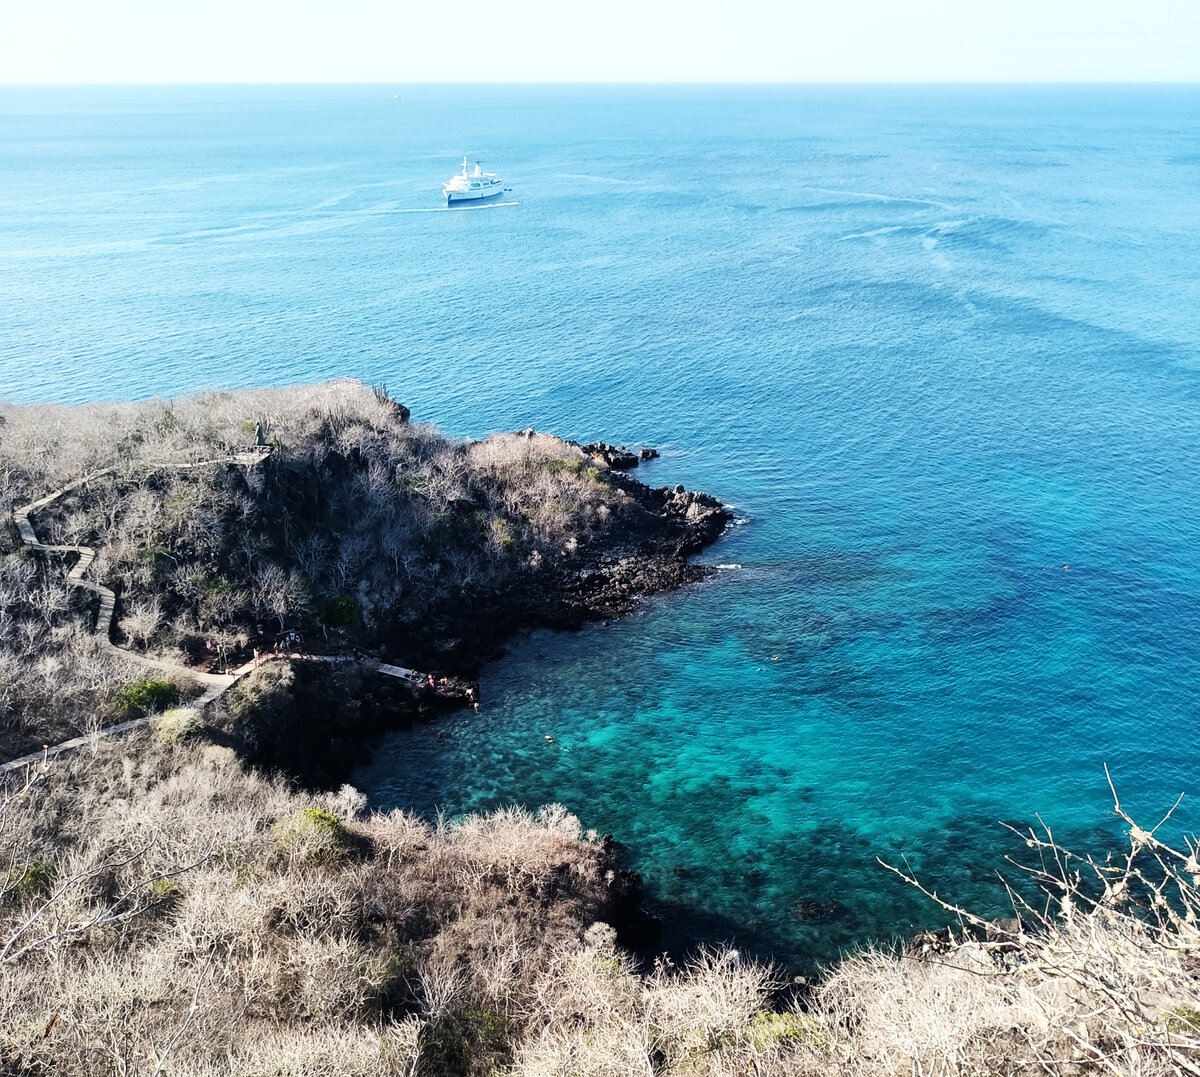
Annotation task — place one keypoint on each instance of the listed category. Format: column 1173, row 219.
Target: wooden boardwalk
column 215, row 684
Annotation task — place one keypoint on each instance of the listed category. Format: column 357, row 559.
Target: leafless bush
column 437, row 948
column 332, row 1051
column 247, row 960
column 516, row 847
column 594, row 1014
column 141, row 621
column 358, row 519
column 1102, row 971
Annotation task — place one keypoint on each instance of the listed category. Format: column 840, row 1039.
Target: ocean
column 939, row 346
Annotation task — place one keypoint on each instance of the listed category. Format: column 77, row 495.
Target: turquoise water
column 933, row 344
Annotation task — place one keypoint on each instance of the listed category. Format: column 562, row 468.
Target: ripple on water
column 928, row 374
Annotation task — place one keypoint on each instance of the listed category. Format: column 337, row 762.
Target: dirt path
column 215, row 684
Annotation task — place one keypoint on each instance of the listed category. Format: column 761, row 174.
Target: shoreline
column 598, row 586
column 463, row 544
column 310, row 715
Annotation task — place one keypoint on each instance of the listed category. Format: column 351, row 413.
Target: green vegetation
column 503, row 534
column 314, row 835
column 768, row 1029
column 339, row 611
column 1184, row 1021
column 144, row 695
column 557, row 467
column 31, row 880
column 164, row 890
column 179, row 724
column 474, row 1041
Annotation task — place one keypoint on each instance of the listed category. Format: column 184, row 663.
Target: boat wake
column 871, row 196
column 459, row 208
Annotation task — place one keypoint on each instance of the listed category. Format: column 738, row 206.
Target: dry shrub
column 476, row 949
column 200, row 548
column 48, row 445
column 948, row 1014
column 1102, row 978
column 708, row 1011
column 520, row 849
column 253, row 961
column 332, row 1051
column 1102, row 972
column 587, row 1016
column 596, row 1016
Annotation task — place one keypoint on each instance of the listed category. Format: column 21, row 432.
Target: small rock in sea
column 814, row 911
column 930, row 942
column 648, row 454
column 1004, row 932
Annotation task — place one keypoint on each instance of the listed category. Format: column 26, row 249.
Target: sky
column 400, row 41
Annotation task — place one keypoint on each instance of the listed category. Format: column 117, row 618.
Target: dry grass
column 410, row 938
column 240, row 927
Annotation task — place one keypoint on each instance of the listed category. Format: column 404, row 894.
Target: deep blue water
column 934, row 344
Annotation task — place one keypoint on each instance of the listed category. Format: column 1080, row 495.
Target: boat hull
column 454, row 198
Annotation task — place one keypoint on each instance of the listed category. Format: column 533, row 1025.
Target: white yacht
column 472, row 186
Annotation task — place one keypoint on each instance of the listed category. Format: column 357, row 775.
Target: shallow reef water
column 940, row 347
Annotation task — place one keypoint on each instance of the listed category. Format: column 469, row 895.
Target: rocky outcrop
column 818, row 911
column 624, row 905
column 613, row 456
column 643, row 552
column 703, row 517
column 310, row 719
column 646, row 556
column 617, row 457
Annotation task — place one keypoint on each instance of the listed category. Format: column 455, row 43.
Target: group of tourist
column 284, row 643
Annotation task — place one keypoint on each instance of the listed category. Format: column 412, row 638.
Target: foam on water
column 934, row 344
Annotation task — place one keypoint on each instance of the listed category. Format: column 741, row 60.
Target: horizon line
column 613, row 82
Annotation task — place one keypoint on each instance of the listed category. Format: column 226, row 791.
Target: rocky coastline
column 647, row 556
column 171, row 886
column 312, row 573
column 314, row 722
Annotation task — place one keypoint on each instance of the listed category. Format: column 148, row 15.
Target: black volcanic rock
column 619, row 458
column 814, row 911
